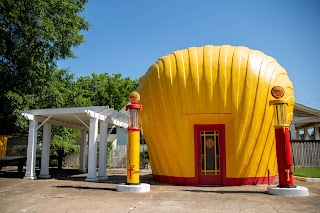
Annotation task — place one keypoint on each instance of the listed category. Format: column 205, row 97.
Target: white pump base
column 143, row 187
column 299, row 191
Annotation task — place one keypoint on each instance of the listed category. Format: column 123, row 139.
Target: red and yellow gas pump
column 284, row 157
column 133, row 143
column 133, row 148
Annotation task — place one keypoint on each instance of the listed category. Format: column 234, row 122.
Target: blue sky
column 128, row 36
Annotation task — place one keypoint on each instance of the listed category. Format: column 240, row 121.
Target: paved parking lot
column 67, row 191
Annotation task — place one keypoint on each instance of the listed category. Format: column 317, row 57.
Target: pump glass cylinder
column 134, row 118
column 280, row 114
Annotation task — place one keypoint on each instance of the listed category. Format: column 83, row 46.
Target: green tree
column 107, row 90
column 34, row 34
column 62, row 91
column 64, row 142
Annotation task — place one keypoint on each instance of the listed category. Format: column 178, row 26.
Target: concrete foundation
column 44, row 176
column 92, row 179
column 30, row 177
column 103, row 177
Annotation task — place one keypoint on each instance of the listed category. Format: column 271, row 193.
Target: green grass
column 312, row 172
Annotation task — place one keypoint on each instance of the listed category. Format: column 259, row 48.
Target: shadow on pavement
column 11, row 174
column 72, row 174
column 86, row 187
column 227, row 192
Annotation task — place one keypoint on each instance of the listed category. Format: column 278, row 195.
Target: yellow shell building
column 206, row 115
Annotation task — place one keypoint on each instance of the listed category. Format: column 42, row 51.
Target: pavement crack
column 270, row 204
column 133, row 208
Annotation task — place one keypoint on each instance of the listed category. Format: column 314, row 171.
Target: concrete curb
column 305, row 179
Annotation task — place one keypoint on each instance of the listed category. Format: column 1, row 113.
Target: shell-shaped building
column 206, row 115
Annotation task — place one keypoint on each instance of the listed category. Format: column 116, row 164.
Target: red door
column 210, row 154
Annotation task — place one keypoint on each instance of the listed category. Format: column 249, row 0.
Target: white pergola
column 86, row 119
column 304, row 119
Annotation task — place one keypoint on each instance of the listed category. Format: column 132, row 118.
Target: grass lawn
column 312, row 172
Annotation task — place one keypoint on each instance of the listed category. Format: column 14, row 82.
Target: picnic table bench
column 19, row 161
column 13, row 160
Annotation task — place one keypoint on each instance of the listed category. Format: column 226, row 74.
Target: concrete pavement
column 67, row 191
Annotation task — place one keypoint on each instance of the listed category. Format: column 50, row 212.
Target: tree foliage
column 64, row 142
column 63, row 90
column 107, row 90
column 34, row 34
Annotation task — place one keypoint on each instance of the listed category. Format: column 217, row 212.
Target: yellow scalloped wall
column 212, row 85
column 3, row 145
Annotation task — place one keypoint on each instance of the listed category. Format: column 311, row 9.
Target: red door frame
column 205, row 127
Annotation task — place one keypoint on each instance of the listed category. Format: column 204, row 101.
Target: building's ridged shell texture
column 212, row 85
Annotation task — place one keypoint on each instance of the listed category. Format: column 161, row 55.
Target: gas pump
column 286, row 185
column 284, row 158
column 133, row 143
column 133, row 148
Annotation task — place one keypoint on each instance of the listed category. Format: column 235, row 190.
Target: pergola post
column 32, row 150
column 293, row 132
column 316, row 132
column 102, row 174
column 306, row 134
column 298, row 134
column 45, row 156
column 83, row 152
column 92, row 158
